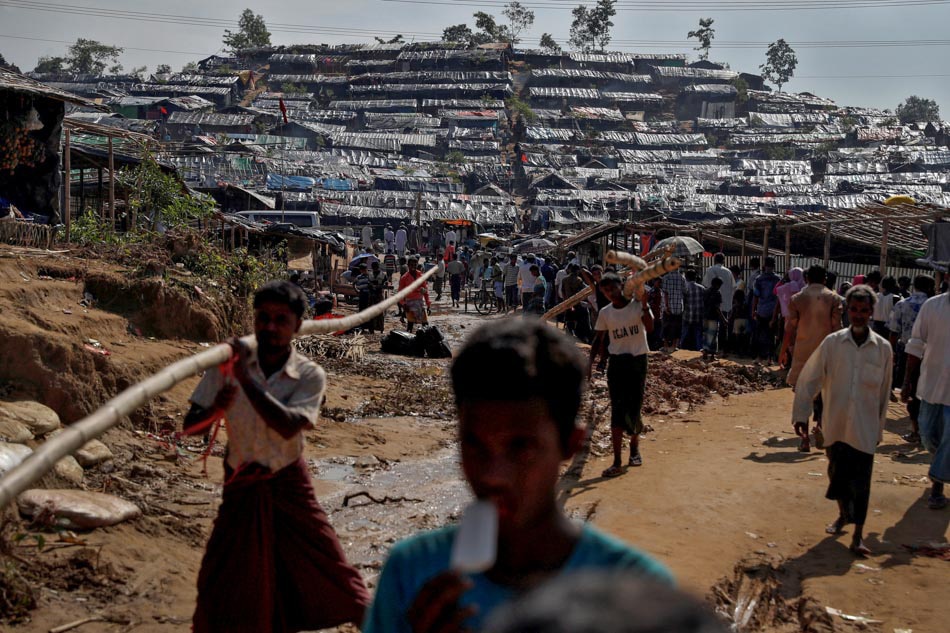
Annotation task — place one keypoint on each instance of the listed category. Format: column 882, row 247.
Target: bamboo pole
column 827, row 245
column 743, row 247
column 765, row 244
column 68, row 168
column 76, row 435
column 884, row 230
column 788, row 248
column 111, row 187
column 568, row 303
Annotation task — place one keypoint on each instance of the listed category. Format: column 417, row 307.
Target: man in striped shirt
column 511, row 282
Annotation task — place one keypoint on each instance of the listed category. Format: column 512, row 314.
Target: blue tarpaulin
column 290, row 183
column 337, row 184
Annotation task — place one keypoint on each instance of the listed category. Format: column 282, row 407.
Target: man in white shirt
column 928, row 377
column 852, row 368
column 401, row 238
column 621, row 329
column 527, row 280
column 719, row 271
column 390, row 238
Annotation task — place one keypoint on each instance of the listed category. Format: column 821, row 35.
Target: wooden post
column 111, row 187
column 102, row 208
column 743, row 246
column 886, row 227
column 788, row 248
column 765, row 244
column 68, row 168
column 82, row 191
column 827, row 245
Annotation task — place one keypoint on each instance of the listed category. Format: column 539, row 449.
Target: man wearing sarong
column 273, row 562
column 417, row 303
column 852, row 368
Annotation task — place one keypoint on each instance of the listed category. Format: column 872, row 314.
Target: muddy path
column 723, row 497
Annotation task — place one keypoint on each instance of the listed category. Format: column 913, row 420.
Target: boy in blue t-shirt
column 515, row 431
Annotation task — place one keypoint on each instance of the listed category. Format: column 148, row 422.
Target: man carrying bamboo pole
column 622, row 328
column 273, row 562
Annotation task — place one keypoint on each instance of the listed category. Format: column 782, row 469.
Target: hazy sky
column 876, row 75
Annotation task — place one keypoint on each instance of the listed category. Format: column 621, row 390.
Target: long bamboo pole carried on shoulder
column 76, row 435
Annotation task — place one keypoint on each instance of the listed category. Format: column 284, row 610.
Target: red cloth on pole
column 283, row 109
column 273, row 562
column 647, row 240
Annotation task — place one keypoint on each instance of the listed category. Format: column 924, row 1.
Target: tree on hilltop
column 489, row 30
column 916, row 109
column 780, row 63
column 251, row 33
column 705, row 34
column 519, row 19
column 548, row 45
column 590, row 29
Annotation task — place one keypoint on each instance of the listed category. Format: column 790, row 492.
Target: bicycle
column 485, row 301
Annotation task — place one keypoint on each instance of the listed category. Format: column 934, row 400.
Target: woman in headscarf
column 785, row 292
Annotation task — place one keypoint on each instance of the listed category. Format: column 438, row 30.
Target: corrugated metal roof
column 601, row 58
column 721, row 124
column 286, row 96
column 536, row 92
column 372, row 104
column 429, row 88
column 464, row 104
column 204, row 80
column 354, row 139
column 22, row 84
column 673, row 72
column 210, row 119
column 309, row 79
column 179, row 89
column 788, row 98
column 433, row 76
column 603, row 114
column 716, row 89
column 632, row 97
column 442, row 54
column 287, row 58
column 579, row 73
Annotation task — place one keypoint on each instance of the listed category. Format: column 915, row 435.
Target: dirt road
column 721, row 484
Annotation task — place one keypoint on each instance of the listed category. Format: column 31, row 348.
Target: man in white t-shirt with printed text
column 621, row 330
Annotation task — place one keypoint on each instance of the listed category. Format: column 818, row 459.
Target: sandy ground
column 721, row 484
column 729, row 484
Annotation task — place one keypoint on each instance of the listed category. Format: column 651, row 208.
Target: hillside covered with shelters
column 510, row 141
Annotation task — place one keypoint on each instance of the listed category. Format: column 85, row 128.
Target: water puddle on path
column 376, row 503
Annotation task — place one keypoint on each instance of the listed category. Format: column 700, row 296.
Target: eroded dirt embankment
column 74, row 333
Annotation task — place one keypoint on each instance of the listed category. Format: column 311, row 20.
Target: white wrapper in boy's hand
column 476, row 542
